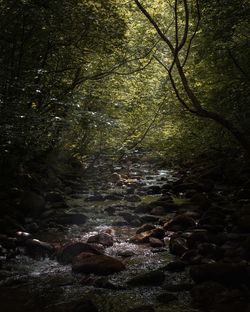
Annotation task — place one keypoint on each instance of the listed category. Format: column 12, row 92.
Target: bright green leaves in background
column 82, row 75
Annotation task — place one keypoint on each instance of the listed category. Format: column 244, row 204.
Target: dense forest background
column 87, row 78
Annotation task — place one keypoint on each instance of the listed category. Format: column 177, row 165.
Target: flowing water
column 45, row 285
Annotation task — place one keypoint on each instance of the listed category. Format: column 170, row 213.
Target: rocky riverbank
column 156, row 239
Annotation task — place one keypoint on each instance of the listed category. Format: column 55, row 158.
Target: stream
column 28, row 284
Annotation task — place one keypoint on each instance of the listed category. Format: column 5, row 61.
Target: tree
column 179, row 44
column 49, row 49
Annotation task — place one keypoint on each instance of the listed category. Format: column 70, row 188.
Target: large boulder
column 68, row 252
column 97, row 264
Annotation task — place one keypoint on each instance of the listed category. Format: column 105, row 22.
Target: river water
column 45, row 285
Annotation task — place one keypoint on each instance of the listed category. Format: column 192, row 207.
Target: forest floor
column 134, row 236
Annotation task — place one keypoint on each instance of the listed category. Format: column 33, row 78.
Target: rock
column 70, row 218
column 104, row 239
column 166, row 297
column 148, row 218
column 143, row 208
column 152, row 278
column 125, row 253
column 158, row 211
column 220, row 272
column 115, row 177
column 155, row 242
column 143, row 237
column 158, row 233
column 132, row 198
column 175, row 266
column 177, row 245
column 136, row 222
column 143, row 308
column 145, row 228
column 97, row 264
column 22, row 237
column 66, row 254
column 180, row 223
column 38, row 249
column 129, row 217
column 32, row 204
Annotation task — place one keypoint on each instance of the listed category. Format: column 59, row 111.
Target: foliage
column 85, row 76
column 49, row 49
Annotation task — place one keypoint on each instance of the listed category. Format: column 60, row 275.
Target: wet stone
column 97, row 264
column 104, row 239
column 155, row 242
column 148, row 218
column 68, row 252
column 145, row 228
column 181, row 222
column 177, row 245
